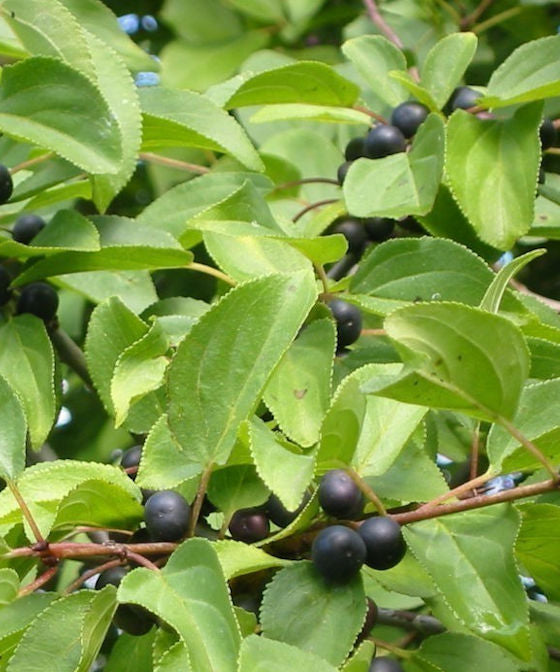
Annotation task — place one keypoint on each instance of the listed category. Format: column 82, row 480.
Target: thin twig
column 305, row 180
column 70, row 353
column 322, row 277
column 198, row 500
column 210, row 270
column 379, row 21
column 496, row 19
column 459, row 490
column 410, row 620
column 381, row 644
column 473, row 17
column 552, row 150
column 70, row 588
column 141, row 560
column 76, row 550
column 475, row 449
column 373, row 332
column 31, row 162
column 173, row 163
column 39, row 582
column 367, row 491
column 312, row 206
column 371, row 113
column 530, row 447
column 27, row 513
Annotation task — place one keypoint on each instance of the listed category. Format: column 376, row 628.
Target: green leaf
column 173, row 118
column 73, row 648
column 495, row 292
column 175, row 658
column 13, row 435
column 311, row 113
column 238, row 558
column 191, row 595
column 9, row 586
column 361, row 659
column 496, row 195
column 535, row 421
column 375, row 57
column 405, row 183
column 131, row 653
column 112, row 329
column 420, row 93
column 301, row 609
column 298, row 392
column 445, row 65
column 139, row 369
column 52, row 105
column 426, row 269
column 469, row 557
column 545, row 358
column 529, row 73
column 259, row 654
column 27, row 364
column 538, row 545
column 236, row 487
column 234, row 347
column 455, row 359
column 263, row 10
column 302, row 82
column 286, row 473
column 456, row 652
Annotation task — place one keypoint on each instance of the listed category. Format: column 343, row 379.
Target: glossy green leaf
column 9, row 585
column 301, row 609
column 191, row 595
column 446, row 63
column 469, row 556
column 302, row 82
column 13, row 435
column 259, row 654
column 497, row 196
column 238, row 558
column 419, row 92
column 298, row 392
column 361, row 659
column 48, row 103
column 405, row 183
column 27, row 365
column 310, row 113
column 236, row 487
column 286, row 473
column 234, row 348
column 173, row 118
column 375, row 57
column 455, row 359
column 529, row 73
column 426, row 269
column 538, row 545
column 545, row 358
column 175, row 658
column 131, row 654
column 73, row 648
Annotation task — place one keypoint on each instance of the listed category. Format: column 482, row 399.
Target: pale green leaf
column 9, row 585
column 13, row 435
column 237, row 558
column 259, row 654
column 310, row 113
column 236, row 487
column 420, row 93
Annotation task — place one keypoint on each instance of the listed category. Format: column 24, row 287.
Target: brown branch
column 141, row 560
column 371, row 113
column 496, row 19
column 318, row 204
column 70, row 588
column 71, row 354
column 210, row 270
column 373, row 332
column 459, row 490
column 39, row 581
column 410, row 620
column 76, row 550
column 379, row 21
column 197, row 504
column 27, row 515
column 173, row 163
column 475, row 450
column 367, row 491
column 31, row 162
column 473, row 17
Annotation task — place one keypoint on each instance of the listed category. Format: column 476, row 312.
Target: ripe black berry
column 339, row 496
column 249, row 525
column 5, row 280
column 354, row 232
column 383, row 140
column 384, row 542
column 129, row 617
column 547, row 134
column 167, row 516
column 131, row 458
column 39, row 299
column 462, row 98
column 338, row 553
column 354, row 149
column 111, row 577
column 348, row 322
column 6, row 184
column 407, row 117
column 379, row 229
column 342, row 170
column 385, row 665
column 279, row 514
column 26, row 228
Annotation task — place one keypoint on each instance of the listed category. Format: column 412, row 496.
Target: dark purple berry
column 166, row 514
column 383, row 140
column 463, row 98
column 131, row 458
column 39, row 299
column 112, row 577
column 354, row 149
column 547, row 134
column 249, row 525
column 353, row 231
column 26, row 228
column 6, row 184
column 338, row 553
column 379, row 229
column 407, row 117
column 342, row 170
column 279, row 514
column 384, row 542
column 348, row 322
column 339, row 496
column 385, row 665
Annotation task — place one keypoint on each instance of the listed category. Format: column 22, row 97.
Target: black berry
column 6, row 184
column 131, row 458
column 167, row 516
column 26, row 228
column 379, row 229
column 385, row 665
column 342, row 170
column 5, row 280
column 339, row 496
column 112, row 577
column 383, row 140
column 128, row 617
column 39, row 299
column 384, row 542
column 354, row 232
column 462, row 98
column 338, row 553
column 348, row 322
column 354, row 149
column 279, row 514
column 249, row 525
column 547, row 134
column 407, row 117
column 411, row 224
